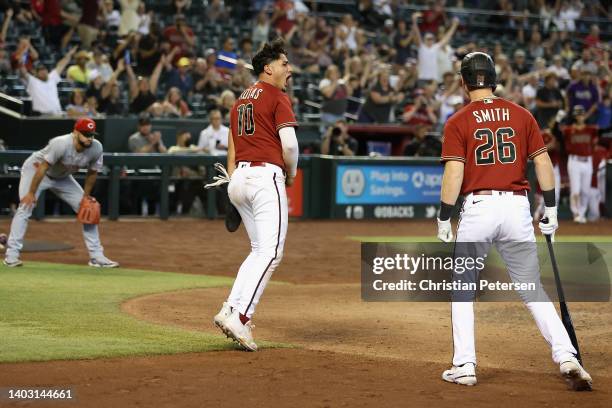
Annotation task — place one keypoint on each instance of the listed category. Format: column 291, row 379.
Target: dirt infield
column 350, row 353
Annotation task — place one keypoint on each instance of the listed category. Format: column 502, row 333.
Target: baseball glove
column 232, row 216
column 89, row 211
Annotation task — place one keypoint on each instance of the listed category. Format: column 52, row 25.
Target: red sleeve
column 453, row 144
column 535, row 143
column 283, row 115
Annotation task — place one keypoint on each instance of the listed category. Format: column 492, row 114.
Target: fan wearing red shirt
column 485, row 151
column 180, row 35
column 261, row 159
column 579, row 140
column 283, row 17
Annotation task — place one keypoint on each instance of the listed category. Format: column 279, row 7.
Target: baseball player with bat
column 262, row 158
column 51, row 169
column 485, row 150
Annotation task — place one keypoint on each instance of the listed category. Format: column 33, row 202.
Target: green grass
column 55, row 311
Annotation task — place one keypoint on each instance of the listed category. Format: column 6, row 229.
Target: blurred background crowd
column 355, row 62
column 366, row 61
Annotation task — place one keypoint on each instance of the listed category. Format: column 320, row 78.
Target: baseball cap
column 81, row 55
column 183, row 62
column 86, row 126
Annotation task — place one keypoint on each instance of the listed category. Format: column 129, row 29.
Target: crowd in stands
column 373, row 61
column 382, row 61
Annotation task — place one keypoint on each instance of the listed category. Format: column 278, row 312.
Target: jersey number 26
column 496, row 144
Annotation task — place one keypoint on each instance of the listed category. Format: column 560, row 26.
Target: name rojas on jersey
column 492, row 115
column 251, row 93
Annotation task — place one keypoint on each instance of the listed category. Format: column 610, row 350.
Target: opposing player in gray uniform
column 51, row 169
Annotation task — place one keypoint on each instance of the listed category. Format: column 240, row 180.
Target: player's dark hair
column 270, row 52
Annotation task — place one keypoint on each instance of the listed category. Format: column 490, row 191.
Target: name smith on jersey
column 492, row 115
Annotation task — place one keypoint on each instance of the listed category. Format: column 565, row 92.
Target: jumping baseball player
column 485, row 150
column 580, row 139
column 262, row 158
column 51, row 169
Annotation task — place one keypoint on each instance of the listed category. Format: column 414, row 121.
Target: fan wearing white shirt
column 42, row 88
column 558, row 69
column 213, row 139
column 428, row 48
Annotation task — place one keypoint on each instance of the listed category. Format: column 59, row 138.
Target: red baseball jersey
column 579, row 141
column 548, row 137
column 494, row 138
column 255, row 119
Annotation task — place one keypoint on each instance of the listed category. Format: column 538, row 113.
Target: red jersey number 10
column 497, row 144
column 246, row 119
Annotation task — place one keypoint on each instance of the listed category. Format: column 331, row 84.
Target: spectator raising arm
column 108, row 86
column 8, row 15
column 416, row 33
column 132, row 82
column 61, row 64
column 167, row 60
column 154, row 80
column 449, row 34
column 328, row 91
column 129, row 44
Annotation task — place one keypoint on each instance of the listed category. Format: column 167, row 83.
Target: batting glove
column 445, row 230
column 549, row 223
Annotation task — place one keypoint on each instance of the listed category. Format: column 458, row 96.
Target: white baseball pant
column 579, row 171
column 494, row 220
column 65, row 188
column 258, row 193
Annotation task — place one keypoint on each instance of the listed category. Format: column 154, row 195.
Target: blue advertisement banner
column 376, row 184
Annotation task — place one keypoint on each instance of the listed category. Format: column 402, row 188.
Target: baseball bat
column 565, row 315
